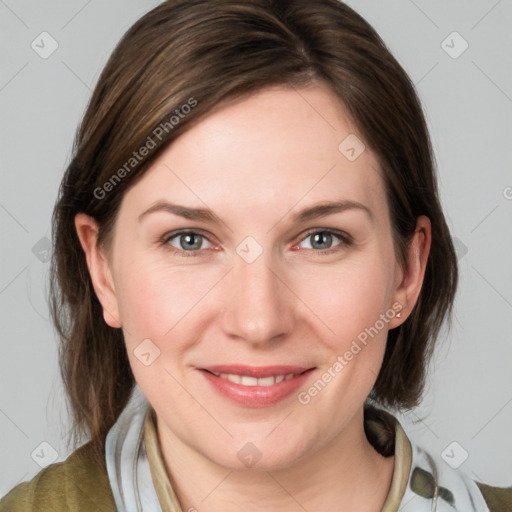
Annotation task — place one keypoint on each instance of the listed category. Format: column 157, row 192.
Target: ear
column 410, row 279
column 99, row 268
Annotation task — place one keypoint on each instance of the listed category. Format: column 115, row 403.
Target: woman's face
column 223, row 262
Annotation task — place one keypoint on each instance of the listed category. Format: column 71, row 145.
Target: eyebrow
column 329, row 208
column 206, row 215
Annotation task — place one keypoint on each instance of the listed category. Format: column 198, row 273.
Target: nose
column 258, row 305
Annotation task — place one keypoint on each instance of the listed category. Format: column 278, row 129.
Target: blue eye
column 187, row 241
column 322, row 240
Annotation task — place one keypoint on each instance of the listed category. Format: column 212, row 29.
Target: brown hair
column 190, row 52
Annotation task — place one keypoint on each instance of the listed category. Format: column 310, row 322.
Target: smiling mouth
column 247, row 380
column 256, row 386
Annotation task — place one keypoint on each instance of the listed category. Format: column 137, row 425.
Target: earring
column 399, row 314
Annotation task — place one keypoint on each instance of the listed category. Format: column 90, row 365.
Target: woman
column 250, row 263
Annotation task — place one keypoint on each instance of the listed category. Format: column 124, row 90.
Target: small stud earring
column 399, row 314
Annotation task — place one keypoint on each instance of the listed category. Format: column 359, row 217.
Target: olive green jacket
column 80, row 484
column 77, row 484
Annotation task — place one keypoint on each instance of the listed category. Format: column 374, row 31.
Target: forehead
column 279, row 147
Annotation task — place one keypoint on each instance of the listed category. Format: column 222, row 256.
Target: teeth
column 233, row 378
column 245, row 380
column 265, row 381
column 248, row 381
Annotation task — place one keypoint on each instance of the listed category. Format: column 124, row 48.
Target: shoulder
column 498, row 499
column 427, row 475
column 76, row 484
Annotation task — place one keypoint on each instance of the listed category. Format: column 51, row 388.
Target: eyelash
column 345, row 241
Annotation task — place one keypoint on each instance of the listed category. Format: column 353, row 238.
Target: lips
column 253, row 386
column 256, row 371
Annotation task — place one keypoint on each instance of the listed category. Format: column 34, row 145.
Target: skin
column 255, row 164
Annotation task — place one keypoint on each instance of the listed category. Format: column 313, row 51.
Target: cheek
column 350, row 298
column 156, row 301
column 141, row 301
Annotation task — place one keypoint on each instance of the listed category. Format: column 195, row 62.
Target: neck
column 346, row 474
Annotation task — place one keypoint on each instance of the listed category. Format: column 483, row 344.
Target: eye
column 191, row 243
column 186, row 241
column 321, row 241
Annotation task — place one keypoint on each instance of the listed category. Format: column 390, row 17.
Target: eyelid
column 339, row 233
column 345, row 237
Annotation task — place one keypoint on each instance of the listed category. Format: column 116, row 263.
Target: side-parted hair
column 176, row 65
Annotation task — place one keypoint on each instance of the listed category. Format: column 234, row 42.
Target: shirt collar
column 166, row 495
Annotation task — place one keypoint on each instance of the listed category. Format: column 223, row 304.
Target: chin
column 258, row 453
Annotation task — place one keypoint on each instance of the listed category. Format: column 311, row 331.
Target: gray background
column 468, row 103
